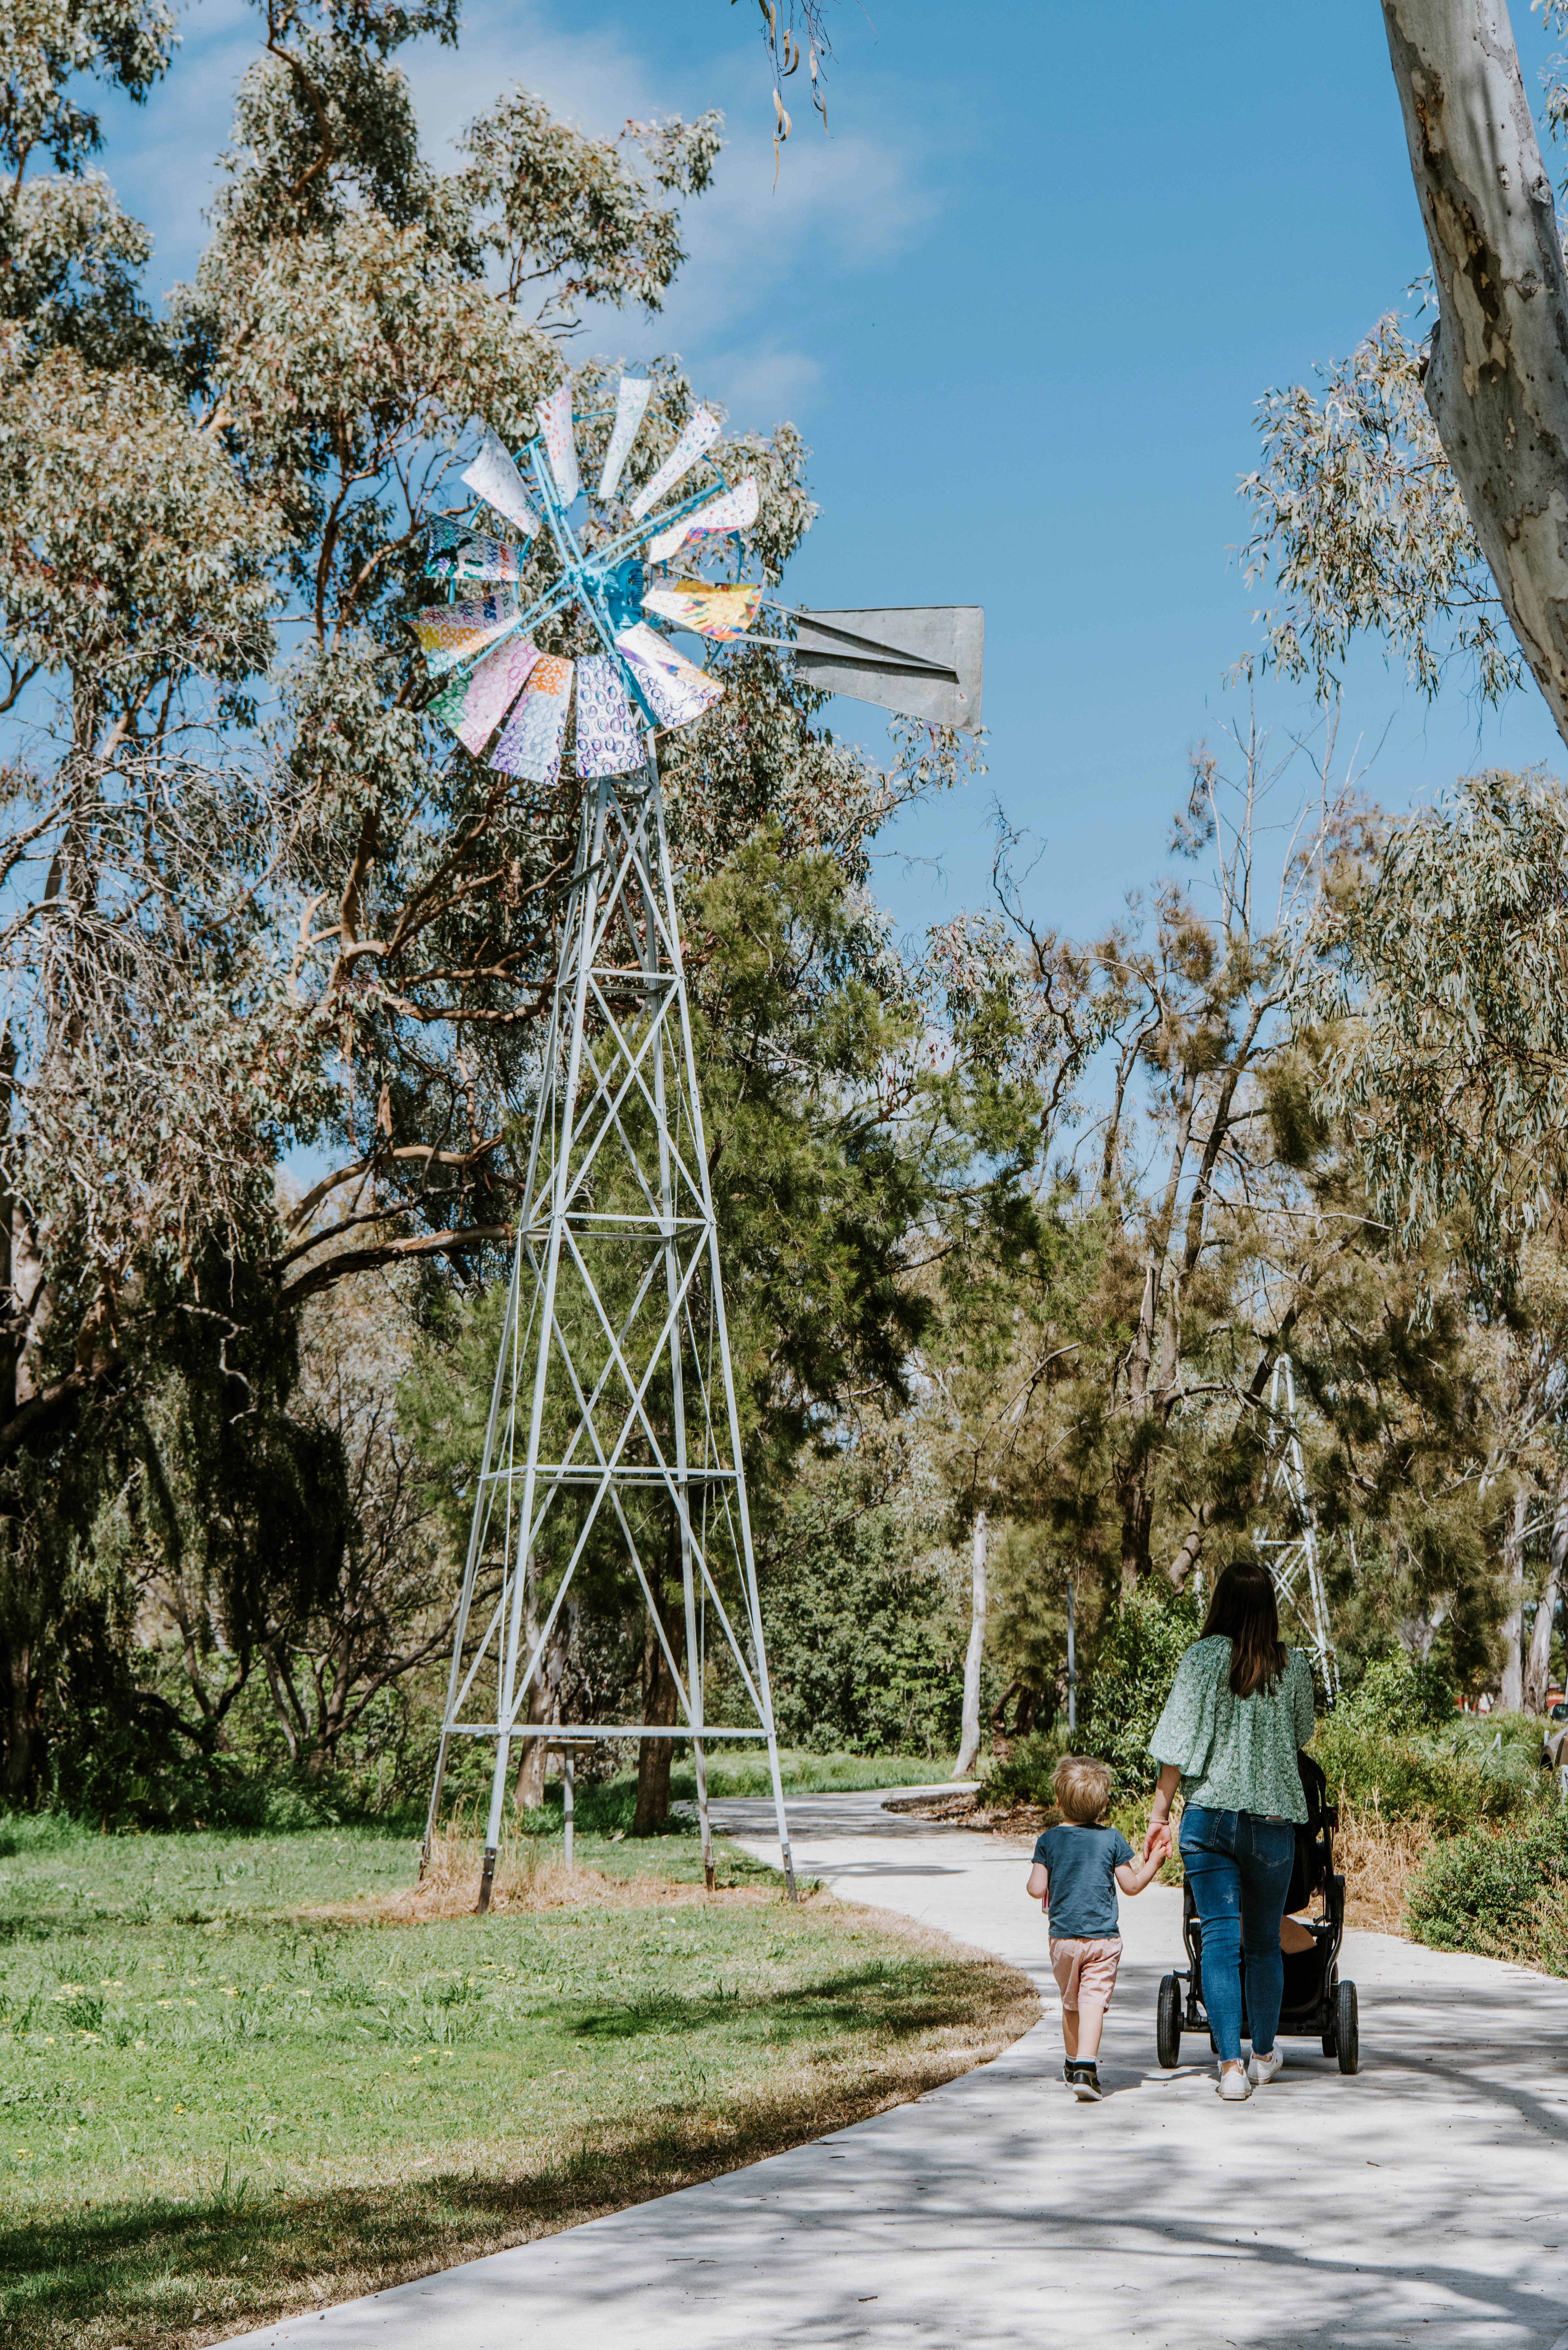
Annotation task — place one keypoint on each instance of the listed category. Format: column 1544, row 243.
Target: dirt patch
column 1018, row 1821
column 529, row 1878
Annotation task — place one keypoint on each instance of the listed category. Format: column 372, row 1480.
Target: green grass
column 746, row 1773
column 230, row 2084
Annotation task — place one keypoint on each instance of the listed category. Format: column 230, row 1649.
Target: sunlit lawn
column 230, row 2086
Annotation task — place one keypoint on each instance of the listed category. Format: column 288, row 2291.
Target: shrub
column 1502, row 1893
column 1451, row 1778
column 1024, row 1776
column 1400, row 1694
column 1146, row 1641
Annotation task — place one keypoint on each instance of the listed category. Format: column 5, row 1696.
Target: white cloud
column 740, row 313
column 839, row 204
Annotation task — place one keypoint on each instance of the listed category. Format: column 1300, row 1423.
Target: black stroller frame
column 1317, row 2005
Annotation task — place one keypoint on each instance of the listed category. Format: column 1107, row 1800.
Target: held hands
column 1158, row 1839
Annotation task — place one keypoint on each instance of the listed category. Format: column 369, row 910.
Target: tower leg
column 699, row 1765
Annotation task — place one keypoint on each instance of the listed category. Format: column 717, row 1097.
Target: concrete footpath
column 1425, row 2200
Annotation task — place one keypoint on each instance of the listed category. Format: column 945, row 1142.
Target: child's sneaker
column 1233, row 2084
column 1085, row 2082
column 1262, row 2069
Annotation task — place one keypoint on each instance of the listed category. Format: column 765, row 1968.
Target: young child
column 1077, row 1867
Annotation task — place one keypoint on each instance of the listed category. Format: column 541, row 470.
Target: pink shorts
column 1086, row 1970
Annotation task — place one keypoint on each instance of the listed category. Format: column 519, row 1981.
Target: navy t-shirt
column 1082, row 1864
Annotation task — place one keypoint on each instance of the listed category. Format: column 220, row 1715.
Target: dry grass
column 530, row 1876
column 1378, row 1858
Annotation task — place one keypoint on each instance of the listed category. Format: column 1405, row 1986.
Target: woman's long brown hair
column 1243, row 1609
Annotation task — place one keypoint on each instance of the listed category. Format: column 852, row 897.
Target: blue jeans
column 1238, row 1867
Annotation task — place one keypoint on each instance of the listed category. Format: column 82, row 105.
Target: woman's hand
column 1158, row 1830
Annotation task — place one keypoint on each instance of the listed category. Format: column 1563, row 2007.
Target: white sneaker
column 1262, row 2069
column 1233, row 2084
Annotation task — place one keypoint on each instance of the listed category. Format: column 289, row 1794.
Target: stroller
column 1316, row 2004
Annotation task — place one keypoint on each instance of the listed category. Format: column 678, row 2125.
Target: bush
column 1146, row 1641
column 1452, row 1778
column 865, row 1646
column 1024, row 1775
column 1400, row 1694
column 1503, row 1894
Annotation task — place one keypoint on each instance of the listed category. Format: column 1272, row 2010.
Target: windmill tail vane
column 614, row 1425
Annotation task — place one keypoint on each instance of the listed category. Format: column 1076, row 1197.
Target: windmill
column 614, row 1424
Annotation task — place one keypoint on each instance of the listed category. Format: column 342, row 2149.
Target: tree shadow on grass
column 892, row 2000
column 165, row 2275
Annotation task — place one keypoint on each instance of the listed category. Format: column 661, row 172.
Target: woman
column 1240, row 1708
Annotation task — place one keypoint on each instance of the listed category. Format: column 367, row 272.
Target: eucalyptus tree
column 254, row 899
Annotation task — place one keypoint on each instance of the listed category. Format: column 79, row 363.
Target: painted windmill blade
column 455, row 550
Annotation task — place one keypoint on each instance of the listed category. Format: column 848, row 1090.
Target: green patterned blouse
column 1236, row 1753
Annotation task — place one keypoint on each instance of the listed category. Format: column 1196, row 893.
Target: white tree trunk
column 1513, row 1622
column 1498, row 382
column 969, row 1749
column 1538, row 1664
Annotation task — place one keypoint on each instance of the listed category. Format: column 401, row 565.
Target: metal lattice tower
column 613, row 1422
column 1293, row 1560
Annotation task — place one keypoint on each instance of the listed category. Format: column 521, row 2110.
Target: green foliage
column 1399, row 1694
column 1135, row 1665
column 1454, row 1043
column 1024, row 1774
column 1359, row 526
column 1451, row 1776
column 865, row 1646
column 1503, row 1892
column 202, row 1489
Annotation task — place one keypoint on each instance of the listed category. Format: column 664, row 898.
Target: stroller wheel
column 1331, row 2013
column 1347, row 2031
column 1168, row 2022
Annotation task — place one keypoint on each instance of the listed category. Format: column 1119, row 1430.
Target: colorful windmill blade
column 630, row 399
column 718, row 613
column 554, row 416
column 733, row 509
column 677, row 690
column 532, row 740
column 493, row 477
column 455, row 551
column 453, row 635
column 475, row 706
column 698, row 434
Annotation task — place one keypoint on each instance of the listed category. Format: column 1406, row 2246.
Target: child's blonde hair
column 1082, row 1789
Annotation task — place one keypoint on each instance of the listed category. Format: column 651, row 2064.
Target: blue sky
column 1021, row 303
